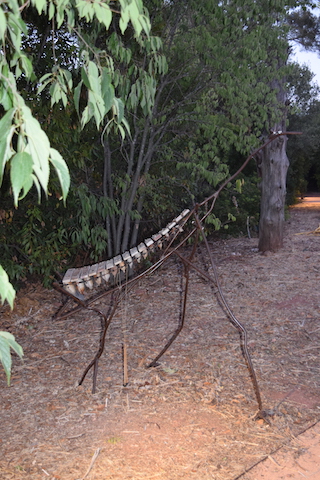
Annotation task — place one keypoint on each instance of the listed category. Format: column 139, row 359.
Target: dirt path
column 192, row 416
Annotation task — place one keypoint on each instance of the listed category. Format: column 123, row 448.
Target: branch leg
column 184, row 305
column 94, row 362
column 180, row 324
column 241, row 329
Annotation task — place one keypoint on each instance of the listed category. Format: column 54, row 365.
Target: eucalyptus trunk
column 274, row 166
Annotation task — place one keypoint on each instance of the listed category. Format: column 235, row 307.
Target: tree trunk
column 274, row 165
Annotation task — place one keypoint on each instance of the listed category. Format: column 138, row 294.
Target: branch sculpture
column 114, row 275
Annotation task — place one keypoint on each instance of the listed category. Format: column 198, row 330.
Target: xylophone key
column 135, row 254
column 119, row 263
column 149, row 243
column 164, row 232
column 68, row 275
column 127, row 257
column 171, row 225
column 143, row 250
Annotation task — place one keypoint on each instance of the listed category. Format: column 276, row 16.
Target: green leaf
column 26, row 65
column 64, row 99
column 6, row 133
column 43, row 84
column 55, row 92
column 107, row 90
column 119, row 108
column 20, row 174
column 5, row 357
column 93, row 75
column 37, row 185
column 122, row 132
column 66, row 75
column 41, row 5
column 7, row 340
column 127, row 126
column 76, row 96
column 38, row 147
column 51, row 10
column 12, row 343
column 6, row 289
column 85, row 78
column 3, row 24
column 124, row 20
column 6, row 123
column 6, row 99
column 239, row 184
column 62, row 171
column 103, row 14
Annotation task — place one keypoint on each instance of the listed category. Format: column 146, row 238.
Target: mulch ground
column 191, row 417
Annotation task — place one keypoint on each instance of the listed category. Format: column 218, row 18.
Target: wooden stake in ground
column 125, row 363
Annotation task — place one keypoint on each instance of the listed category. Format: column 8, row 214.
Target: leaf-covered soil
column 191, row 417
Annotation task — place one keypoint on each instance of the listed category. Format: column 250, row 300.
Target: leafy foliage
column 29, row 160
column 45, row 238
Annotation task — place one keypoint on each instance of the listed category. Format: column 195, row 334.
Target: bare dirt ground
column 192, row 417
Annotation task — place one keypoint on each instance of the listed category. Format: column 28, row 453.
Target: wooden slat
column 101, row 267
column 127, row 258
column 181, row 216
column 118, row 262
column 84, row 274
column 109, row 264
column 135, row 254
column 148, row 243
column 93, row 270
column 143, row 250
column 164, row 232
column 171, row 225
column 76, row 275
column 68, row 275
column 156, row 236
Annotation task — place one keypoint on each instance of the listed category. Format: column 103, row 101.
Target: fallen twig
column 94, row 458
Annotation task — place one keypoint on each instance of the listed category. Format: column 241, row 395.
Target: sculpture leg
column 186, row 266
column 181, row 320
column 94, row 362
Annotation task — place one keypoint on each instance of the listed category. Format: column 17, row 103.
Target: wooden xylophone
column 77, row 280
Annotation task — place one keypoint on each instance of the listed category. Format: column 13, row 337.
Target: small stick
column 125, row 364
column 94, row 458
